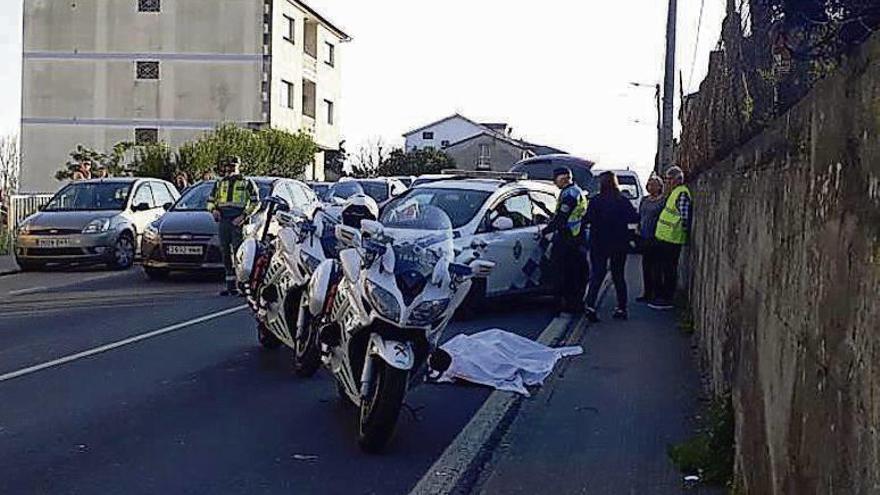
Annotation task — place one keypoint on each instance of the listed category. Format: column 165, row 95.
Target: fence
column 20, row 206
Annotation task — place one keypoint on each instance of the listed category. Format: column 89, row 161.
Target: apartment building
column 97, row 72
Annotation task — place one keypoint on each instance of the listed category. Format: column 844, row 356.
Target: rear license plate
column 60, row 242
column 186, row 250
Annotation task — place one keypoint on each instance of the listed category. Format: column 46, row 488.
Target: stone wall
column 785, row 289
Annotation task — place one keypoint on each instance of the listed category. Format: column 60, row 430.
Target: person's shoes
column 660, row 305
column 591, row 315
column 620, row 314
column 643, row 299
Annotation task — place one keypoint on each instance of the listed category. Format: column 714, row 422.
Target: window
column 148, row 70
column 290, row 35
column 146, row 135
column 308, row 98
column 162, row 194
column 149, row 5
column 331, row 54
column 143, row 195
column 544, row 205
column 517, row 208
column 427, row 135
column 297, row 195
column 444, row 143
column 287, row 94
column 329, row 111
column 484, row 162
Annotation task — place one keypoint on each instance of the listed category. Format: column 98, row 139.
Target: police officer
column 568, row 255
column 231, row 201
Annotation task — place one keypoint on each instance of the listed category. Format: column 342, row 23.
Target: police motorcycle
column 379, row 312
column 262, row 276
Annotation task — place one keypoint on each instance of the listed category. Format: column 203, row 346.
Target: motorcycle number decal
column 400, row 350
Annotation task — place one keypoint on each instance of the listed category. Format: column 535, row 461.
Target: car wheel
column 156, row 273
column 122, row 253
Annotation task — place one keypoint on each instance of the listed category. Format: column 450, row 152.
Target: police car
column 499, row 214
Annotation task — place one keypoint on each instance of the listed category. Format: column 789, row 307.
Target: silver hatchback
column 94, row 221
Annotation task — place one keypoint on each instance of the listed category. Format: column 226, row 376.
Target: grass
column 709, row 454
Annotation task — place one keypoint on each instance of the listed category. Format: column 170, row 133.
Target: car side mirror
column 347, row 236
column 482, row 268
column 502, row 223
column 167, row 206
column 141, row 207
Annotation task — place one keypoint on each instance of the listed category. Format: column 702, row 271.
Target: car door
column 143, row 209
column 543, row 208
column 510, row 248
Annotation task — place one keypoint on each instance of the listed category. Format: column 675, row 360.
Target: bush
column 710, row 453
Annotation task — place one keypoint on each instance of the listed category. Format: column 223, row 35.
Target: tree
column 112, row 160
column 10, row 164
column 368, row 158
column 416, row 162
column 154, row 160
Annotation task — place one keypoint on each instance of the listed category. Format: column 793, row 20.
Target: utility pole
column 664, row 141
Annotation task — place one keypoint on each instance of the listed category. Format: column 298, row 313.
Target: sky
column 558, row 71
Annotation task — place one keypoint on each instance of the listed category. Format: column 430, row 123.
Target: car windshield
column 376, row 190
column 344, row 190
column 196, row 197
column 460, row 205
column 84, row 196
column 629, row 187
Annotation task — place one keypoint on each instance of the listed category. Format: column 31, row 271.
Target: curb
column 453, row 471
column 458, row 467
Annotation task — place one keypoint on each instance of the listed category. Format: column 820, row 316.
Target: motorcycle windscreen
column 422, row 243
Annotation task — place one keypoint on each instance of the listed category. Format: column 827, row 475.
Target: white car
column 504, row 215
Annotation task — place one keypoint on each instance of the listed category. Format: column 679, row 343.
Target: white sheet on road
column 502, row 360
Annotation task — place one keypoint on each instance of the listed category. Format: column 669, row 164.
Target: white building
column 97, row 72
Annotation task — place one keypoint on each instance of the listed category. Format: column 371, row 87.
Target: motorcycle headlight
column 309, row 261
column 151, row 233
column 384, row 302
column 97, row 226
column 427, row 312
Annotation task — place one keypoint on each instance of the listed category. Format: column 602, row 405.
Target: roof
column 495, row 135
column 540, row 149
column 486, row 185
column 323, row 20
column 121, row 180
column 561, row 158
column 432, row 124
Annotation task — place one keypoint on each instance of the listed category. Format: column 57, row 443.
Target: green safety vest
column 233, row 193
column 576, row 217
column 670, row 227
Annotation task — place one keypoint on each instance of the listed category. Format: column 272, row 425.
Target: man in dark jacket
column 568, row 259
column 609, row 217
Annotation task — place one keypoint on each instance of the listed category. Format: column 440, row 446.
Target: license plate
column 53, row 243
column 186, row 250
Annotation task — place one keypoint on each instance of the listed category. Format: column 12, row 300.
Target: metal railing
column 20, row 206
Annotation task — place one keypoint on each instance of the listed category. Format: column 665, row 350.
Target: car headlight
column 151, row 233
column 24, row 229
column 309, row 261
column 97, row 226
column 427, row 312
column 384, row 302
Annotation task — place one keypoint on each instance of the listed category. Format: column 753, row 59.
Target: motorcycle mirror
column 347, row 236
column 482, row 268
column 372, row 228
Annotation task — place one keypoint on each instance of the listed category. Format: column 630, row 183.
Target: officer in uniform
column 568, row 255
column 232, row 200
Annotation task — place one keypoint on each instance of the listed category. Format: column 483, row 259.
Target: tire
column 266, row 338
column 30, row 266
column 122, row 253
column 475, row 301
column 156, row 273
column 306, row 353
column 379, row 412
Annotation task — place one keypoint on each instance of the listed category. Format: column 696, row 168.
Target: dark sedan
column 186, row 239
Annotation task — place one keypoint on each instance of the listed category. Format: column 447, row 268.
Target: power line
column 696, row 45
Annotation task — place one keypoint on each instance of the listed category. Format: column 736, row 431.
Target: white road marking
column 120, row 343
column 29, row 290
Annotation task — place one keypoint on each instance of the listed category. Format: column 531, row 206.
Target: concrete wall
column 79, row 83
column 503, row 154
column 786, row 289
column 451, row 130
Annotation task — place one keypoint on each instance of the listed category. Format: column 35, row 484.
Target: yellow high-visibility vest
column 670, row 227
column 233, row 192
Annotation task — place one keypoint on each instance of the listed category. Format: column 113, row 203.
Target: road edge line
column 473, row 444
column 119, row 343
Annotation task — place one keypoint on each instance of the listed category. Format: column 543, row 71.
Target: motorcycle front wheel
column 380, row 410
column 266, row 338
column 306, row 355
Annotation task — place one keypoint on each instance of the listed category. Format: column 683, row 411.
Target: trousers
column 668, row 258
column 571, row 272
column 599, row 262
column 652, row 268
column 230, row 239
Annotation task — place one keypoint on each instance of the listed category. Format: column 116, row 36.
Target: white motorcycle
column 381, row 309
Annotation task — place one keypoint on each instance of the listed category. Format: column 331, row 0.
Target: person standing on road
column 567, row 256
column 649, row 213
column 673, row 230
column 181, row 181
column 231, row 201
column 609, row 217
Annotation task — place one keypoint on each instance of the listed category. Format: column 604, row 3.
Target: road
column 200, row 408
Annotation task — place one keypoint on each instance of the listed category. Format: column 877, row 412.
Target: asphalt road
column 200, row 409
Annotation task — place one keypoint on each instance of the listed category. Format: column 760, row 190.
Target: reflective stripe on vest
column 670, row 227
column 236, row 195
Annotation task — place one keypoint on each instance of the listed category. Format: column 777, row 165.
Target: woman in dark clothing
column 609, row 216
column 652, row 264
